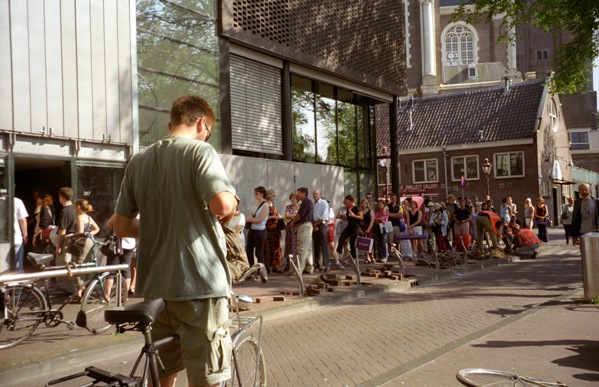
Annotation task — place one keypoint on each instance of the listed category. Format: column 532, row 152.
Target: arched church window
column 459, row 46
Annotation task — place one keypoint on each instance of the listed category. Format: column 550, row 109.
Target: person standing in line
column 395, row 213
column 290, row 236
column 272, row 246
column 302, row 222
column 19, row 235
column 540, row 219
column 512, row 206
column 67, row 224
column 331, row 238
column 320, row 249
column 462, row 218
column 585, row 215
column 566, row 217
column 381, row 215
column 354, row 216
column 85, row 225
column 439, row 226
column 257, row 232
column 415, row 227
column 451, row 207
column 529, row 212
column 180, row 188
column 366, row 227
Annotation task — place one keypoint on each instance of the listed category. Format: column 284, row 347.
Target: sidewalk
column 51, row 348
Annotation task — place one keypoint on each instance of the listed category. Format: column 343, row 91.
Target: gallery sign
column 420, row 189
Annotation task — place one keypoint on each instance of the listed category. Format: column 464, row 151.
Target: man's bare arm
column 223, row 205
column 124, row 227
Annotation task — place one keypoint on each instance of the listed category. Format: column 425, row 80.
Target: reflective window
column 302, row 102
column 466, row 166
column 459, row 46
column 425, row 171
column 177, row 53
column 100, row 185
column 326, row 128
column 509, row 164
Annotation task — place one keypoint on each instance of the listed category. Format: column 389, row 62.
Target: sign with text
column 431, row 189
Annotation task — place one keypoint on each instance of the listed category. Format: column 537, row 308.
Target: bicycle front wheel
column 248, row 367
column 95, row 303
column 480, row 377
column 25, row 306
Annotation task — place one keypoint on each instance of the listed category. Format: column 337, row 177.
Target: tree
column 573, row 60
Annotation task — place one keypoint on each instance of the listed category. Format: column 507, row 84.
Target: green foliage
column 579, row 18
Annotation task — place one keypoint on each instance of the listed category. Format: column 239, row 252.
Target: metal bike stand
column 297, row 274
column 356, row 266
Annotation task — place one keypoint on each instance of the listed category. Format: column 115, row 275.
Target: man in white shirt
column 319, row 233
column 20, row 234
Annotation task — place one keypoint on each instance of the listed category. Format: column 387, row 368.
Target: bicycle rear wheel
column 25, row 306
column 248, row 362
column 95, row 303
column 480, row 377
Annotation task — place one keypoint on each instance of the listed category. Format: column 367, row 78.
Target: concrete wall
column 284, row 177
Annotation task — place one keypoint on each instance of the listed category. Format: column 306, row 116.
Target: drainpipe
column 445, row 172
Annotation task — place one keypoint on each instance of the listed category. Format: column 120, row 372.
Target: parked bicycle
column 27, row 304
column 480, row 377
column 248, row 367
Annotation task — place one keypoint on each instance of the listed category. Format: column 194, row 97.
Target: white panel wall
column 68, row 65
column 5, row 68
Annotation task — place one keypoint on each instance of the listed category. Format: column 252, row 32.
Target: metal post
column 589, row 249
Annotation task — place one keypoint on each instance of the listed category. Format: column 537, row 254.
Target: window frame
column 424, row 161
column 459, row 178
column 467, row 29
column 509, row 175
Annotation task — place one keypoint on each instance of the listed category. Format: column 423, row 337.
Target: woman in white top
column 84, row 224
column 567, row 213
column 257, row 232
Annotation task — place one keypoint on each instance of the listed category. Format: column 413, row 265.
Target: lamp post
column 383, row 164
column 487, row 170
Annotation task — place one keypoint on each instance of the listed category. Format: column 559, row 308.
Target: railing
column 60, row 273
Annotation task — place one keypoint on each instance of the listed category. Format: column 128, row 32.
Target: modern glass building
column 294, row 84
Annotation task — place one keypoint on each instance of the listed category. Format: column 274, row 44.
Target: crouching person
column 526, row 242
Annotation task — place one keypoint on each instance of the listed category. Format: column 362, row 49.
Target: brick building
column 520, row 129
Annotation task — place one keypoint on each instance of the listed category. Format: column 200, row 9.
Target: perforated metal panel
column 361, row 40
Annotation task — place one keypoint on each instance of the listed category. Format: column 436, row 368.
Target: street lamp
column 487, row 170
column 383, row 164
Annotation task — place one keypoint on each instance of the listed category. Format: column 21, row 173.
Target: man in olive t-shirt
column 179, row 188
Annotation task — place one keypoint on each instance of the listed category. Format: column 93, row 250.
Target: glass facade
column 334, row 126
column 177, row 53
column 100, row 185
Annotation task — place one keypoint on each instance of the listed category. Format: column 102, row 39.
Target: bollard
column 589, row 248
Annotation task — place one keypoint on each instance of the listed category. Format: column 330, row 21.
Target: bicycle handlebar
column 60, row 273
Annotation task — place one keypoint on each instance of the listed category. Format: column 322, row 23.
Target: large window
column 509, row 164
column 425, row 171
column 177, row 53
column 459, row 46
column 466, row 166
column 331, row 125
column 579, row 140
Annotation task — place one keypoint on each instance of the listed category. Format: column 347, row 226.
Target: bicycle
column 26, row 305
column 248, row 367
column 480, row 377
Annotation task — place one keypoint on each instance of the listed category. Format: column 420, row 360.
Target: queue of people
column 65, row 232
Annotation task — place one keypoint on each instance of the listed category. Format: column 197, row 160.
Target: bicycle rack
column 297, row 274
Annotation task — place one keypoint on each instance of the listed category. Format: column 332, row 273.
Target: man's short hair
column 303, row 190
column 188, row 109
column 66, row 193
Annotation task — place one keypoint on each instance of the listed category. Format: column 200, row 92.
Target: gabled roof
column 483, row 115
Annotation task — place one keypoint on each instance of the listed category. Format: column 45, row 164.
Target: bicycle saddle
column 143, row 312
column 40, row 260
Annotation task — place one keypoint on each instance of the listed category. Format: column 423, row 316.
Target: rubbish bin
column 589, row 247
